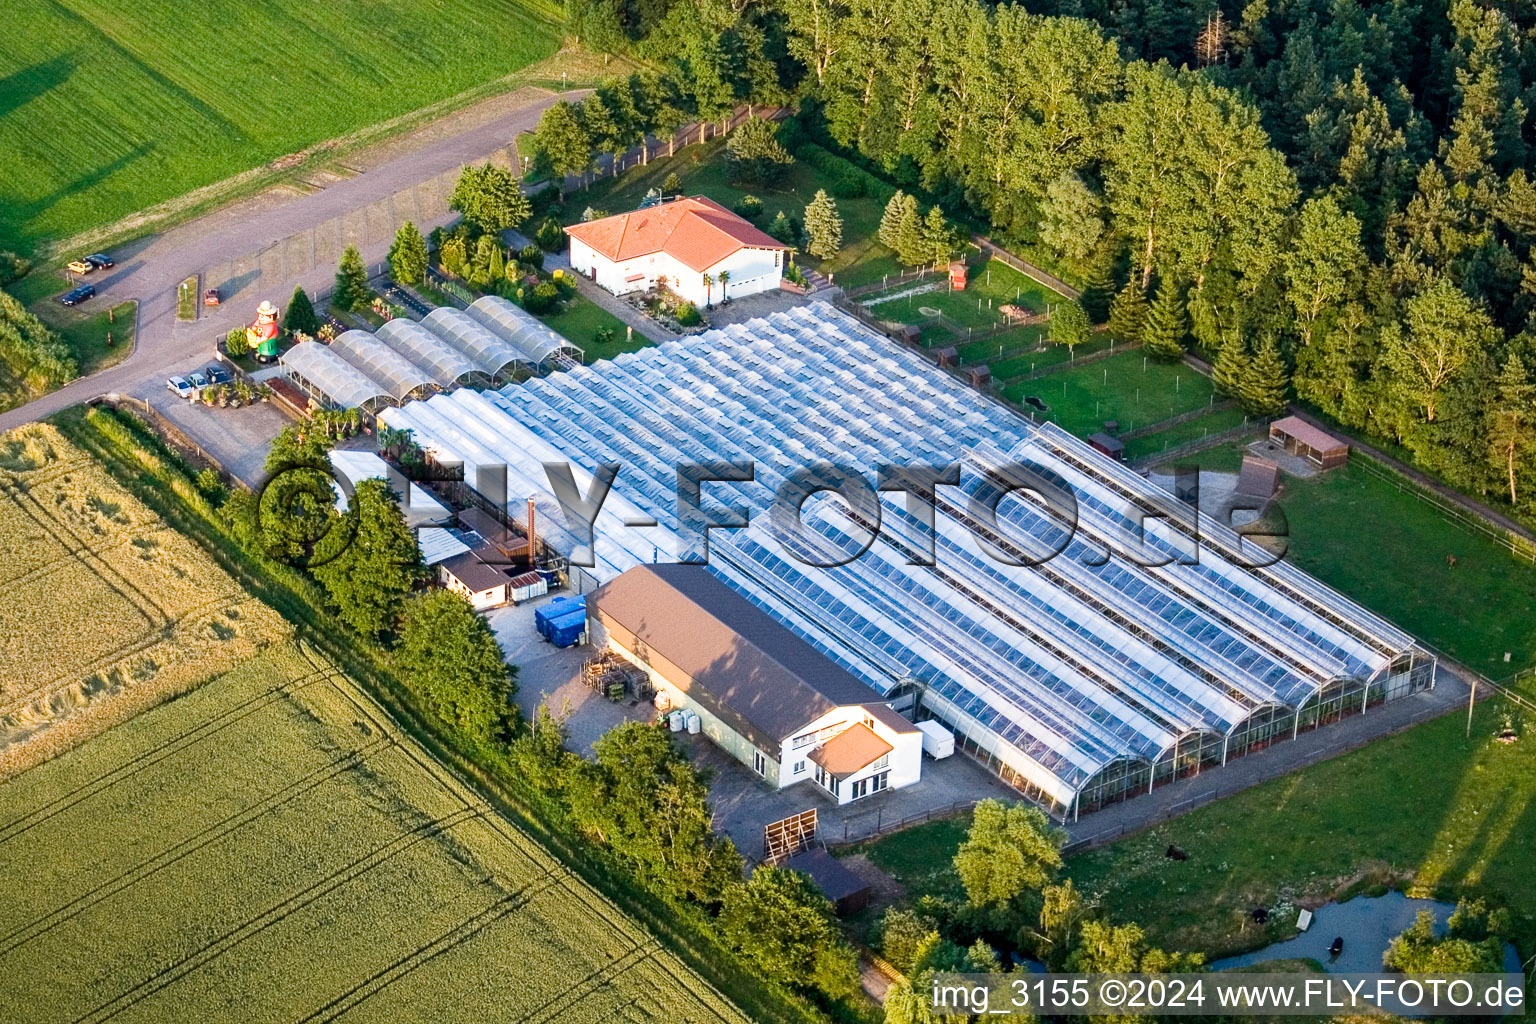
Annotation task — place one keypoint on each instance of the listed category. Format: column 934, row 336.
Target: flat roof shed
column 1299, row 437
column 848, row 892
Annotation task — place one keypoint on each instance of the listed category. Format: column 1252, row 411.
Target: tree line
column 1332, row 202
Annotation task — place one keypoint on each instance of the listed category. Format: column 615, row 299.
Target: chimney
column 533, row 536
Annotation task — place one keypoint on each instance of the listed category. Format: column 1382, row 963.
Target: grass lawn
column 86, row 335
column 1387, row 549
column 1430, row 808
column 582, row 319
column 161, row 98
column 1222, row 458
column 990, row 287
column 703, row 172
column 1032, row 357
column 1131, row 388
column 1427, row 808
column 1214, row 422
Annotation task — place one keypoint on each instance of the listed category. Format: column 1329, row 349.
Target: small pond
column 1366, row 923
column 1034, row 402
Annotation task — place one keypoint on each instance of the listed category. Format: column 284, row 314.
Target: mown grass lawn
column 109, row 106
column 582, row 319
column 1215, row 422
column 1130, row 388
column 1429, row 809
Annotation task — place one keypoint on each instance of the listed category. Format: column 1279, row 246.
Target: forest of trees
column 1344, row 186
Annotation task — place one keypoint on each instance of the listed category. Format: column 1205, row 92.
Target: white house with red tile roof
column 681, row 241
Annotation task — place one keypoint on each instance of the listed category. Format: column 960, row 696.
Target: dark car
column 99, row 261
column 77, row 295
column 217, row 375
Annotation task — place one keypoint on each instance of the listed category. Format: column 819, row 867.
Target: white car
column 180, row 387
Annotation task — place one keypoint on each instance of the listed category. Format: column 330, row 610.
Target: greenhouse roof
column 446, row 364
column 518, row 328
column 490, row 354
column 340, row 381
column 380, row 363
column 1061, row 669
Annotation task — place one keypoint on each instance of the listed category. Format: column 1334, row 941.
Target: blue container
column 559, row 607
column 567, row 630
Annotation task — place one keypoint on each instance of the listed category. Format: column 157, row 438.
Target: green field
column 1130, row 388
column 271, row 847
column 110, row 106
column 1387, row 547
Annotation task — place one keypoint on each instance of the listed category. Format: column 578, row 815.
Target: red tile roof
column 697, row 232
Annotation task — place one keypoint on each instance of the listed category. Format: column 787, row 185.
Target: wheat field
column 104, row 609
column 271, row 847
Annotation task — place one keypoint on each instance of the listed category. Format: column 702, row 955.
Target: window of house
column 799, row 767
column 821, row 775
column 871, row 785
column 759, row 762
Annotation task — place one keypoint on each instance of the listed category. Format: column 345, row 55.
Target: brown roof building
column 764, row 694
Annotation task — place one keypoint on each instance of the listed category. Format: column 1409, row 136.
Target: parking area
column 551, row 676
column 237, row 439
column 749, row 306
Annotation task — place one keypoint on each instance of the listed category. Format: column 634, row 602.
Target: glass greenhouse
column 491, row 355
column 330, row 378
column 382, row 364
column 520, row 329
column 1139, row 652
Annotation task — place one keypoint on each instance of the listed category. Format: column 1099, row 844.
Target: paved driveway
column 150, row 269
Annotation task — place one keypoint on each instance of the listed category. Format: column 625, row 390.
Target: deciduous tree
column 490, row 198
column 449, row 656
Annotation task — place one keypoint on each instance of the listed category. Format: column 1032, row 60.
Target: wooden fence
column 877, row 824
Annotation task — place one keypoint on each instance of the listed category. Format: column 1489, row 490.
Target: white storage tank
column 676, row 721
column 938, row 742
column 693, row 724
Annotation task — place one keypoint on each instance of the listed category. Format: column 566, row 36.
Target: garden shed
column 1314, row 444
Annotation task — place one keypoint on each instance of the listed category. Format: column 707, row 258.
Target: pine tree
column 498, row 267
column 1231, row 366
column 1163, row 334
column 351, row 291
column 1100, row 281
column 673, row 185
column 938, row 240
column 823, row 226
column 1128, row 313
column 1265, row 381
column 300, row 315
column 782, row 228
column 891, row 220
column 408, row 255
column 911, row 247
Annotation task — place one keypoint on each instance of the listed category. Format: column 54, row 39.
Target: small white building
column 683, row 244
column 764, row 695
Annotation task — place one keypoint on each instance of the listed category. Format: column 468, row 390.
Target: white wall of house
column 751, row 270
column 901, row 767
column 791, row 763
column 480, row 600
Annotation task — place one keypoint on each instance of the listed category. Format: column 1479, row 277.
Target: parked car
column 77, row 295
column 217, row 375
column 99, row 261
column 197, row 380
column 211, row 297
column 180, row 387
column 80, row 267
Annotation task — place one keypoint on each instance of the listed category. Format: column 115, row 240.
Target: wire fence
column 870, row 826
column 1518, row 545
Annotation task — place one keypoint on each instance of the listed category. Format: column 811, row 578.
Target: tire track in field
column 274, row 914
column 604, row 975
column 165, row 858
column 456, row 936
column 198, row 733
